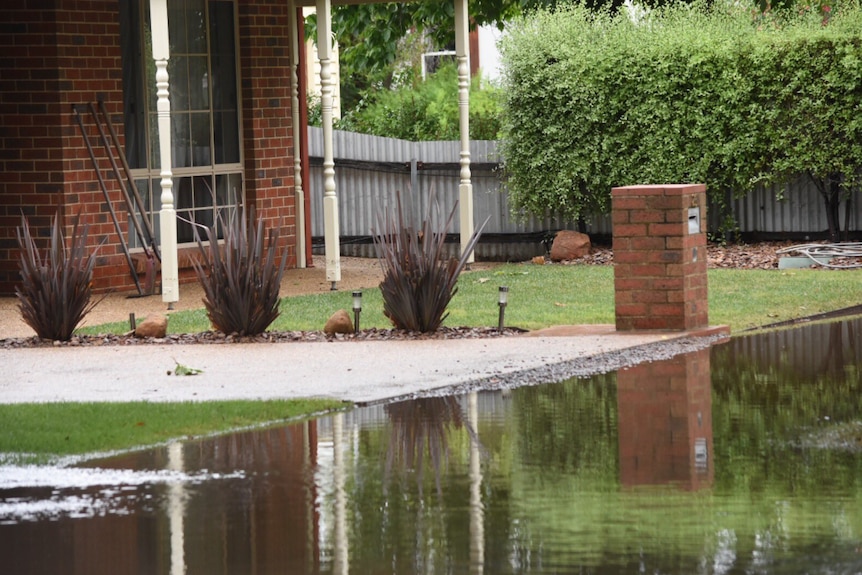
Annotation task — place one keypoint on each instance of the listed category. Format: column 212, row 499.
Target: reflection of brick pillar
column 660, row 257
column 665, row 422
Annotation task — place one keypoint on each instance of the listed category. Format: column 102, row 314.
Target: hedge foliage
column 682, row 95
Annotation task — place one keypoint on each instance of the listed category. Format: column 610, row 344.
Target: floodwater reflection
column 743, row 458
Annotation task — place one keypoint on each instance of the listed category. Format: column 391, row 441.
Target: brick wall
column 267, row 122
column 659, row 267
column 665, row 414
column 57, row 54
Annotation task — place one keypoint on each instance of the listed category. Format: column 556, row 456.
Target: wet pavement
column 356, row 371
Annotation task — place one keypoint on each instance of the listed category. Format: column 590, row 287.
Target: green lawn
column 542, row 296
column 36, row 432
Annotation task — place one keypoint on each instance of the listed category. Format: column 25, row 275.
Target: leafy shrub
column 56, row 290
column 424, row 111
column 419, row 280
column 683, row 94
column 240, row 279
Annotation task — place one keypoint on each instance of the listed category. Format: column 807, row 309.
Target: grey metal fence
column 370, row 169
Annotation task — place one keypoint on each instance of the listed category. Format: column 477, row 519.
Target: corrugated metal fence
column 370, row 169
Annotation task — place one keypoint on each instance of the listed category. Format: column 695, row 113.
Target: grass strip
column 38, row 432
column 543, row 296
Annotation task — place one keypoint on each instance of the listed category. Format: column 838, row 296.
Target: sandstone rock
column 569, row 245
column 339, row 322
column 155, row 325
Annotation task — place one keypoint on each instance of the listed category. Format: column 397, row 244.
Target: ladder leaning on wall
column 134, row 204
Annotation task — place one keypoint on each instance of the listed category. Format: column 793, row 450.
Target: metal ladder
column 131, row 197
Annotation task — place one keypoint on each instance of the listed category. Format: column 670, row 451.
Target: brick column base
column 659, row 243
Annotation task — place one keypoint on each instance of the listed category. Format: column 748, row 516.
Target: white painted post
column 299, row 193
column 330, row 199
column 177, row 510
column 462, row 54
column 167, row 215
column 341, row 563
column 477, row 515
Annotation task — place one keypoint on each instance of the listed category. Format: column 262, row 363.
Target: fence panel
column 370, row 169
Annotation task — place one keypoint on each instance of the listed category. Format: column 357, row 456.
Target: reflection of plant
column 55, row 292
column 421, row 424
column 419, row 280
column 241, row 280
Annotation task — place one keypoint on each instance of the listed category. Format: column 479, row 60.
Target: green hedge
column 682, row 95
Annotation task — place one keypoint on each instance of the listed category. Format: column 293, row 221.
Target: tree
column 370, row 35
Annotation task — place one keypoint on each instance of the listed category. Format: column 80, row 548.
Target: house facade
column 74, row 71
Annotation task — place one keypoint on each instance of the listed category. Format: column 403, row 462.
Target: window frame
column 141, row 64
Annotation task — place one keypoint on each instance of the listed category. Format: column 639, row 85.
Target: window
column 204, row 96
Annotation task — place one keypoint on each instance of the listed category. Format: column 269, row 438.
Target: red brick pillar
column 660, row 257
column 665, row 422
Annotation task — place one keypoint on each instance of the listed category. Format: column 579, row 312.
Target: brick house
column 232, row 122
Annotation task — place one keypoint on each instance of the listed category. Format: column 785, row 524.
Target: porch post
column 167, row 215
column 330, row 199
column 465, row 188
column 299, row 194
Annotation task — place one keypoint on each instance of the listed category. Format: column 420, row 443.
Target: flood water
column 740, row 459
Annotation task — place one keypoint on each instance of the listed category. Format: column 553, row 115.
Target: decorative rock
column 340, row 322
column 539, row 260
column 155, row 325
column 570, row 245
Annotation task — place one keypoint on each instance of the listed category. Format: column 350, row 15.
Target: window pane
column 204, row 193
column 198, row 83
column 196, row 26
column 226, row 137
column 224, row 89
column 228, row 189
column 178, row 83
column 182, row 148
column 178, row 36
column 200, row 138
column 185, row 213
column 155, row 157
column 134, row 99
column 223, row 55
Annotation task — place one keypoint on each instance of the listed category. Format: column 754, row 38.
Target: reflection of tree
column 586, row 442
column 419, row 425
column 772, row 393
column 834, row 362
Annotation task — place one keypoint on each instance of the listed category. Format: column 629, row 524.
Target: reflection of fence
column 369, row 169
column 821, row 349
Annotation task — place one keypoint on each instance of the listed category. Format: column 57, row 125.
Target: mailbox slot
column 694, row 220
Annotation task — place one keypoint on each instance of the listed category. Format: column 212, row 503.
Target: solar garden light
column 357, row 309
column 502, row 300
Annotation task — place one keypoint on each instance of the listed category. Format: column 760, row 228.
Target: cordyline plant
column 419, row 280
column 56, row 290
column 240, row 279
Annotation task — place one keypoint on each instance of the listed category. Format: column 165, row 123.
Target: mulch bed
column 215, row 337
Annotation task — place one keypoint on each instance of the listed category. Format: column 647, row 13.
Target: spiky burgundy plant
column 419, row 279
column 56, row 289
column 241, row 279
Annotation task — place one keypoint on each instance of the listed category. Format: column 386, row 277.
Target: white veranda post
column 167, row 215
column 330, row 199
column 465, row 188
column 297, row 166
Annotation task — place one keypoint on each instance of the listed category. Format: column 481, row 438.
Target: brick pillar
column 660, row 257
column 665, row 422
